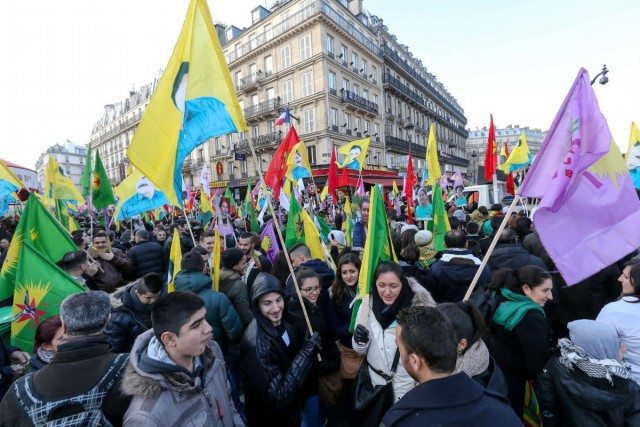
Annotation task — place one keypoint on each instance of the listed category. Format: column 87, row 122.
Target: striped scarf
column 573, row 356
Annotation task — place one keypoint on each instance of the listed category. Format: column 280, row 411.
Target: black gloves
column 361, row 334
column 311, row 344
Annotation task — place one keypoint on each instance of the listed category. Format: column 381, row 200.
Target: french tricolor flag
column 284, row 118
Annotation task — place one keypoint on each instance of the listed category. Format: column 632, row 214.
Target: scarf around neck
column 573, row 356
column 386, row 314
column 511, row 312
column 475, row 360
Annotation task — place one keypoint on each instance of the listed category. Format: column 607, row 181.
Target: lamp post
column 409, row 128
column 474, row 156
column 604, row 79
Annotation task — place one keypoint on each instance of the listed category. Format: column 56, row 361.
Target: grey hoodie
column 165, row 394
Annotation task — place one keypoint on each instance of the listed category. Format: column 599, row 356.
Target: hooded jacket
column 165, row 394
column 223, row 318
column 274, row 372
column 381, row 347
column 449, row 278
column 572, row 398
column 322, row 269
column 455, row 400
column 234, row 288
column 128, row 319
column 513, row 256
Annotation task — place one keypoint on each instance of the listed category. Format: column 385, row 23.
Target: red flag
column 333, row 175
column 278, row 166
column 511, row 185
column 410, row 181
column 344, row 178
column 490, row 163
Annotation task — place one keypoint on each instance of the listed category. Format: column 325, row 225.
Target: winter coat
column 274, row 372
column 455, row 400
column 234, row 288
column 110, row 278
column 256, row 264
column 6, row 372
column 126, row 322
column 573, row 399
column 223, row 318
column 75, row 369
column 448, row 281
column 513, row 256
column 521, row 353
column 329, row 352
column 359, row 236
column 339, row 319
column 381, row 347
column 147, row 257
column 171, row 396
column 533, row 245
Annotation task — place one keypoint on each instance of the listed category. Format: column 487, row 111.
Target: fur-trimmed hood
column 116, row 297
column 421, row 296
column 137, row 382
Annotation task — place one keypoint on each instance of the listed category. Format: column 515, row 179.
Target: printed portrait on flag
column 140, row 197
column 356, row 152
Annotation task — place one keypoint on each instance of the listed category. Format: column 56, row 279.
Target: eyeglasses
column 314, row 290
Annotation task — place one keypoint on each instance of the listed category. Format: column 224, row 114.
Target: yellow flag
column 10, row 177
column 297, row 163
column 205, row 204
column 356, row 152
column 347, row 224
column 632, row 158
column 519, row 157
column 59, row 186
column 312, row 237
column 136, row 194
column 195, row 101
column 324, row 193
column 395, row 188
column 503, row 151
column 175, row 259
column 215, row 259
column 433, row 167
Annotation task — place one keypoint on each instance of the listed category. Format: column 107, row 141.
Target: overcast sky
column 63, row 60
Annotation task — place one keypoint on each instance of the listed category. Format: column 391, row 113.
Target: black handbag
column 372, row 402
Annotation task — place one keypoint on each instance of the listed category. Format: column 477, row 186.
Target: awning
column 386, row 182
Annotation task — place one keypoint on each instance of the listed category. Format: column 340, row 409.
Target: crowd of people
column 265, row 346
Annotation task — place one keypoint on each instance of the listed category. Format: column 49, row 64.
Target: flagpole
column 258, row 168
column 494, row 241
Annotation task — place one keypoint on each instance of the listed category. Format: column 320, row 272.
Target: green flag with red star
column 295, row 224
column 41, row 286
column 40, row 229
column 102, row 194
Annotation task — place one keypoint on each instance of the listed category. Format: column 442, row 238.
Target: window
column 268, row 65
column 252, row 41
column 286, row 23
column 345, row 84
column 305, row 47
column 243, row 167
column 334, row 117
column 270, row 126
column 268, row 34
column 238, row 78
column 305, row 9
column 365, row 94
column 254, row 99
column 66, row 159
column 285, row 57
column 376, row 129
column 307, row 83
column 238, row 50
column 343, row 53
column 287, row 91
column 218, row 144
column 255, row 131
column 329, row 44
column 354, row 60
column 230, row 168
column 366, row 125
column 331, row 78
column 374, row 73
column 363, row 66
column 357, row 124
column 252, row 69
column 311, row 154
column 347, row 120
column 269, row 93
column 308, row 117
column 375, row 99
column 356, row 89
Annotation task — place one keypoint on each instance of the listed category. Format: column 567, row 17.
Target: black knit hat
column 231, row 257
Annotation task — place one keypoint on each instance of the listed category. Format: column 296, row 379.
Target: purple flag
column 457, row 180
column 589, row 213
column 270, row 241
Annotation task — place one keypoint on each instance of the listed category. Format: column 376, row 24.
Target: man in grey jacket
column 176, row 373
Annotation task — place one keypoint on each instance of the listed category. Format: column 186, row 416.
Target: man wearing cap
column 234, row 263
column 82, row 365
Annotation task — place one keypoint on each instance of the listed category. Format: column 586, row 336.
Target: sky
column 515, row 59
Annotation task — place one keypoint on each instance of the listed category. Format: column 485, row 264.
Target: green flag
column 85, row 179
column 41, row 286
column 295, row 224
column 39, row 228
column 377, row 249
column 323, row 228
column 440, row 219
column 62, row 213
column 102, row 194
column 250, row 210
column 229, row 196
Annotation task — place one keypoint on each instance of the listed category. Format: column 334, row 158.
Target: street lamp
column 409, row 128
column 474, row 156
column 604, row 79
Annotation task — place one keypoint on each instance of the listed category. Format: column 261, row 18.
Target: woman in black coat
column 275, row 362
column 520, row 331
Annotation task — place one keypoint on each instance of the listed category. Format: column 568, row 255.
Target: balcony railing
column 427, row 85
column 358, row 101
column 267, row 106
column 261, row 142
column 450, row 158
column 400, row 145
column 400, row 87
column 317, row 7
